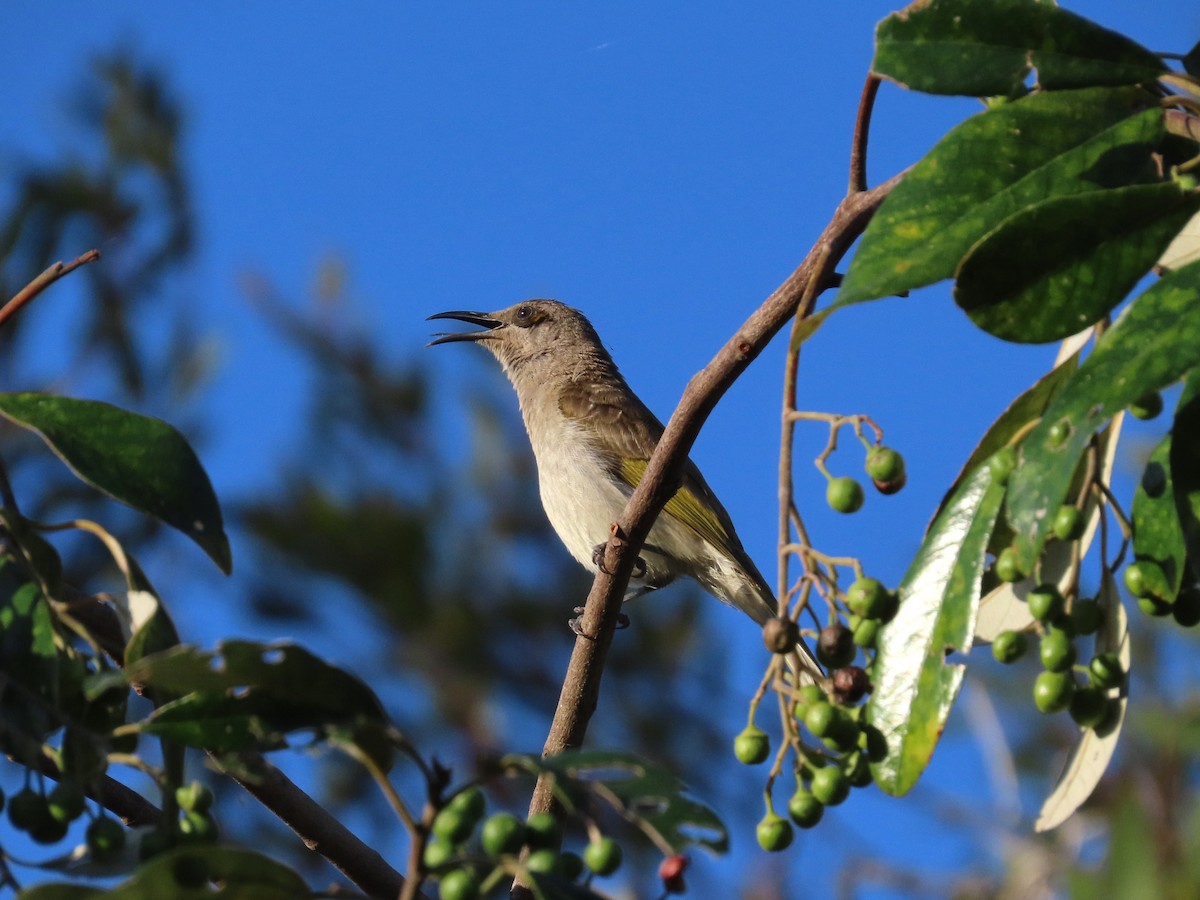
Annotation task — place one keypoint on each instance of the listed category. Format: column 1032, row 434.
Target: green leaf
column 645, row 794
column 194, row 873
column 247, row 694
column 141, row 461
column 984, row 49
column 1157, row 531
column 939, row 600
column 1185, row 467
column 987, row 168
column 1052, row 269
column 1151, row 345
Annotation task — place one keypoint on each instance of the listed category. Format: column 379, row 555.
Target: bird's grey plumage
column 592, row 437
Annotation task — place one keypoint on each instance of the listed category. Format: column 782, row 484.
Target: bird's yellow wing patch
column 684, row 506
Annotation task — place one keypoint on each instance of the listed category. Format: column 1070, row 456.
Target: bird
column 592, row 438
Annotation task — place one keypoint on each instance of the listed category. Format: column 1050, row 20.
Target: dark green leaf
column 1185, row 467
column 1157, row 532
column 984, row 49
column 194, row 873
column 1052, row 269
column 1151, row 345
column 247, row 694
column 993, row 165
column 136, row 459
column 939, row 599
column 647, row 795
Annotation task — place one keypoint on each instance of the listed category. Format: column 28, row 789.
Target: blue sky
column 661, row 166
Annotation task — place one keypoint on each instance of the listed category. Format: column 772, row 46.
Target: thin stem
column 862, row 129
column 43, row 281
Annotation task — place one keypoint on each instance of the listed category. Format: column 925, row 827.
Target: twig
column 320, row 831
column 581, row 686
column 43, row 281
column 862, row 128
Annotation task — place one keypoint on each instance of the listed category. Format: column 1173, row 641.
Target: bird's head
column 539, row 334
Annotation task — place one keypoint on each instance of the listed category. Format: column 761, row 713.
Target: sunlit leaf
column 939, row 597
column 1185, row 248
column 983, row 49
column 1154, row 343
column 1185, row 467
column 138, row 460
column 1056, row 267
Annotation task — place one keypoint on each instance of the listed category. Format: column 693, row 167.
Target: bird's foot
column 576, row 623
column 639, row 565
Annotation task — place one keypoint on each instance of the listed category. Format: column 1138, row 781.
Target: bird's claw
column 576, row 623
column 639, row 565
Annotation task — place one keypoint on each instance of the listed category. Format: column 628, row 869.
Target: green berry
column 1147, row 406
column 835, row 646
column 27, row 809
column 194, row 797
column 50, row 830
column 1089, row 706
column 1002, row 463
column 502, row 834
column 1105, row 671
column 867, row 598
column 1086, row 617
column 844, row 734
column 872, row 743
column 452, row 826
column 805, row 809
column 1009, row 646
column 774, row 833
column 543, row 861
column 603, row 856
column 866, row 633
column 198, row 828
column 469, row 803
column 830, row 785
column 1045, row 602
column 886, row 469
column 857, row 769
column 820, row 719
column 844, row 494
column 806, row 697
column 1145, row 579
column 1068, row 524
column 1007, row 568
column 752, row 746
column 542, row 830
column 1057, row 650
column 1052, row 691
column 105, row 838
column 1152, row 606
column 437, row 854
column 570, row 865
column 66, row 801
column 459, row 884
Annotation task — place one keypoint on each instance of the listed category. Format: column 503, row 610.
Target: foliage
column 1046, row 240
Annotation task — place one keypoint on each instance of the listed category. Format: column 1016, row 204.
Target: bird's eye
column 524, row 312
column 528, row 316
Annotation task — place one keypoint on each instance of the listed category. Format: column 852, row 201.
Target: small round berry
column 774, row 833
column 1089, row 706
column 850, row 684
column 105, row 838
column 1146, row 579
column 1068, row 523
column 1001, row 464
column 780, row 634
column 830, row 785
column 502, row 834
column 603, row 856
column 752, row 746
column 844, row 494
column 543, row 861
column 670, row 872
column 1007, row 568
column 1105, row 671
column 835, row 646
column 1052, row 691
column 805, row 809
column 1045, row 603
column 1148, row 406
column 867, row 598
column 1057, row 650
column 459, row 884
column 452, row 826
column 885, row 467
column 542, row 829
column 1009, row 646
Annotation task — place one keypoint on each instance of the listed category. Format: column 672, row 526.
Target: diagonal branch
column 581, row 687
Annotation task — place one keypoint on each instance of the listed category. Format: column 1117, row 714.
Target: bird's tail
column 752, row 596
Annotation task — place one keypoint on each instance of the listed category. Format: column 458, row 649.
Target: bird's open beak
column 475, row 318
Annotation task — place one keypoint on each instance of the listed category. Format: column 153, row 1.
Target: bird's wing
column 628, row 431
